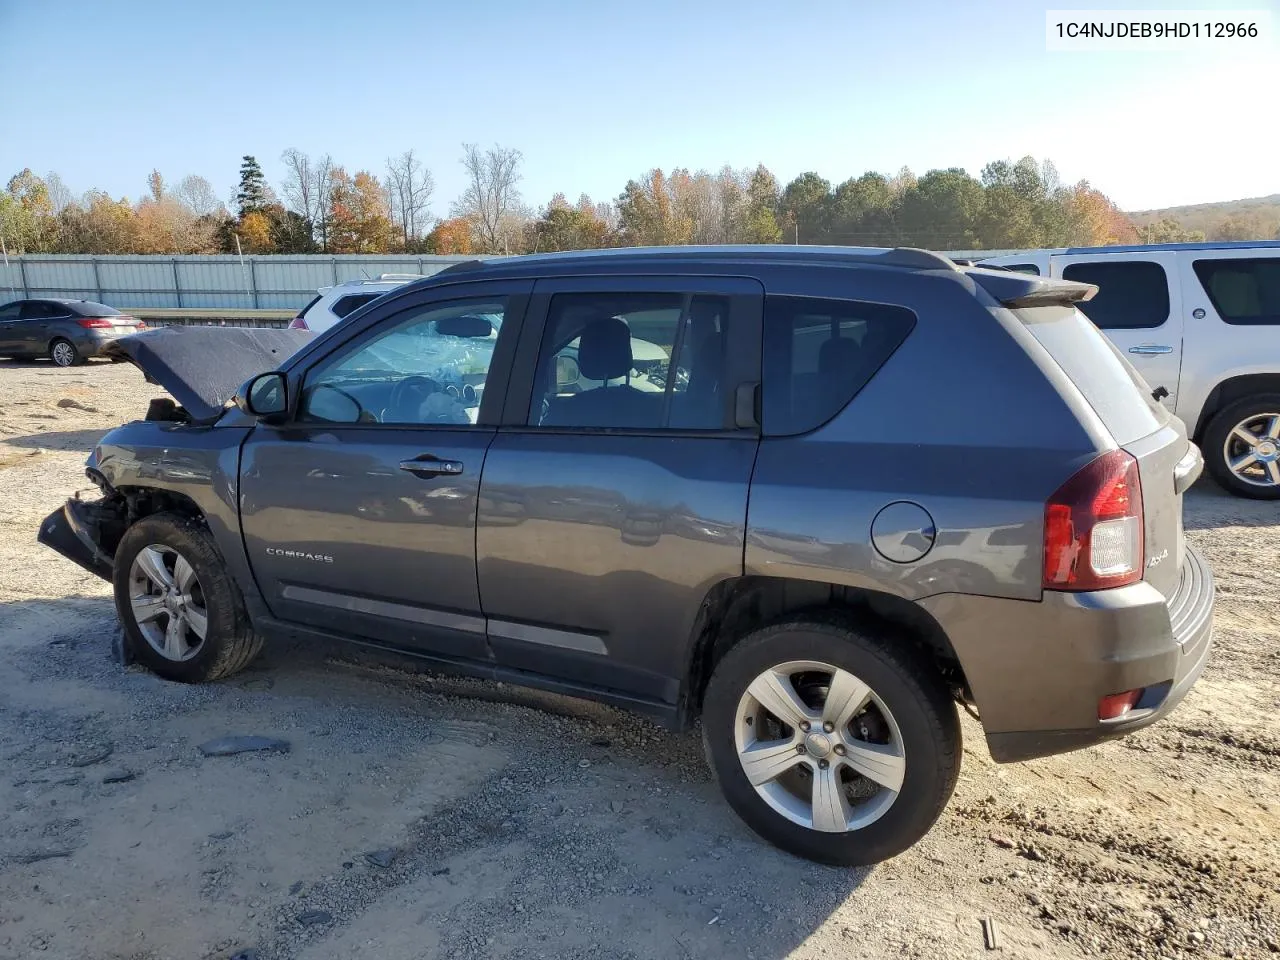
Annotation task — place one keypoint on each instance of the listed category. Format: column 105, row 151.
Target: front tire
column 1242, row 447
column 835, row 743
column 64, row 354
column 183, row 615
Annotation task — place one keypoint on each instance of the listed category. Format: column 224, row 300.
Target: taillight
column 1093, row 527
column 92, row 322
column 297, row 323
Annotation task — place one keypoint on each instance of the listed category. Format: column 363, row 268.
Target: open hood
column 203, row 366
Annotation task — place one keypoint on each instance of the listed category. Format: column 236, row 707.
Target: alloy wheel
column 819, row 746
column 168, row 603
column 1252, row 450
column 63, row 354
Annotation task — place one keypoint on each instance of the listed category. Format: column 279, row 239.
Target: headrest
column 838, row 355
column 604, row 349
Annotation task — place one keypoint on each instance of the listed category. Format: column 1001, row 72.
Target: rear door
column 1138, row 306
column 359, row 513
column 9, row 327
column 615, row 493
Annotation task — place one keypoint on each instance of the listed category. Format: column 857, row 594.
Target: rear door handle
column 1150, row 349
column 429, row 466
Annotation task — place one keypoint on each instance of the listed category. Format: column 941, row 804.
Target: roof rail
column 917, row 258
column 397, row 276
column 462, row 266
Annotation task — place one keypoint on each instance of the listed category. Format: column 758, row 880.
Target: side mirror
column 266, row 395
column 567, row 371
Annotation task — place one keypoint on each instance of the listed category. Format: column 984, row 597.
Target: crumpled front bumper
column 85, row 532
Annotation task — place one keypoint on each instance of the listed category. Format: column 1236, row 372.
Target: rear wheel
column 182, row 614
column 1242, row 447
column 64, row 354
column 835, row 744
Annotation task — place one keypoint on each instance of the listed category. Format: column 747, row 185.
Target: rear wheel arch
column 734, row 608
column 1230, row 391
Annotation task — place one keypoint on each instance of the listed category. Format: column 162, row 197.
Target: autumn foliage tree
column 450, row 236
column 359, row 221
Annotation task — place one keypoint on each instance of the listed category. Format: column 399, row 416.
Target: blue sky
column 595, row 93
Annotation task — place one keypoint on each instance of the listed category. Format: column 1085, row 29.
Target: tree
column 451, row 236
column 941, row 210
column 358, row 217
column 805, row 205
column 409, row 188
column 648, row 217
column 254, row 230
column 59, row 195
column 1168, row 230
column 491, row 198
column 562, row 227
column 254, row 194
column 863, row 212
column 759, row 222
column 100, row 225
column 1240, row 226
column 26, row 214
column 197, row 195
column 1094, row 220
column 300, row 186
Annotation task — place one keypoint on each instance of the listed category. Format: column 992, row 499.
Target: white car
column 332, row 304
column 1201, row 323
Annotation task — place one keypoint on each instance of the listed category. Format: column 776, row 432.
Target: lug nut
column 799, row 748
column 804, row 725
column 828, row 726
column 840, row 749
column 823, row 764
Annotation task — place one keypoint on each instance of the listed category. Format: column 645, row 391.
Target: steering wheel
column 407, row 396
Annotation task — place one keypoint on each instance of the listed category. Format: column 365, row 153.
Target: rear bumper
column 1038, row 669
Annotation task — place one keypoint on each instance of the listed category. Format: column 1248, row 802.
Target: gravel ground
column 420, row 817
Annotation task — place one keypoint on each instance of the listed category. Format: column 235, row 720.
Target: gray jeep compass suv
column 812, row 496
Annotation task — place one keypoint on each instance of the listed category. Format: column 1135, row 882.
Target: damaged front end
column 87, row 532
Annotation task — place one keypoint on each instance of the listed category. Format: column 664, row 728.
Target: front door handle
column 1150, row 349
column 429, row 466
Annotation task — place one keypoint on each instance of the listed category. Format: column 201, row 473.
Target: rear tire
column 1226, row 443
column 183, row 616
column 907, row 734
column 64, row 354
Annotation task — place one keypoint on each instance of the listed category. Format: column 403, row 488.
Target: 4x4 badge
column 1157, row 558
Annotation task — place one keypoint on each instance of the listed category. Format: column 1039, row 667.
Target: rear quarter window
column 819, row 353
column 352, row 302
column 1108, row 382
column 1132, row 294
column 1243, row 291
column 90, row 308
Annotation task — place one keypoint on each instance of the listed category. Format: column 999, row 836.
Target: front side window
column 819, row 353
column 427, row 367
column 10, row 311
column 632, row 361
column 1243, row 291
column 1132, row 294
column 36, row 310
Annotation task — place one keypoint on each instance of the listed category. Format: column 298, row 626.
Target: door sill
column 665, row 713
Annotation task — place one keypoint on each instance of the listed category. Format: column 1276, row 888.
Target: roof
column 1158, row 247
column 901, row 257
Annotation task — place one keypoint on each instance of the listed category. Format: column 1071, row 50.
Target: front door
column 359, row 513
column 615, row 493
column 9, row 328
column 1138, row 306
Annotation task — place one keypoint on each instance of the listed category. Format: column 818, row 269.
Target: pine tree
column 254, row 195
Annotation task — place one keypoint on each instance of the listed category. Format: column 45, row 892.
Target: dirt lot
column 421, row 817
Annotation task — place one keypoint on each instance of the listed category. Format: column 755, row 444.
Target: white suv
column 1201, row 323
column 332, row 304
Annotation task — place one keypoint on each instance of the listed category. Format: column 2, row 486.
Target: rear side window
column 819, row 353
column 1109, row 384
column 1021, row 268
column 1132, row 294
column 352, row 302
column 10, row 311
column 1242, row 291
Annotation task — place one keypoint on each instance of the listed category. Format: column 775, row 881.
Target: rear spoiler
column 1013, row 289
